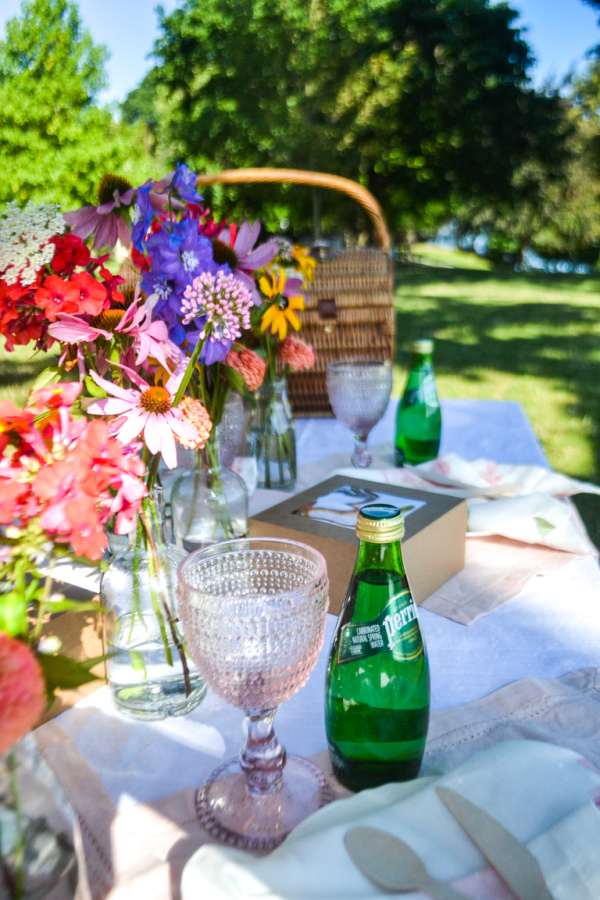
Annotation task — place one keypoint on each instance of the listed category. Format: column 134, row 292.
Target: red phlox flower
column 57, row 295
column 54, row 396
column 22, row 691
column 12, row 497
column 70, row 253
column 93, row 295
column 86, row 531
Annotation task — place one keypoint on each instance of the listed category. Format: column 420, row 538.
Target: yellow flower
column 303, row 261
column 281, row 310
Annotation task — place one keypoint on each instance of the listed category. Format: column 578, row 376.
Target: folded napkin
column 541, row 793
column 528, row 502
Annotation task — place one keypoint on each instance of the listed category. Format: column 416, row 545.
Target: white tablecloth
column 550, row 629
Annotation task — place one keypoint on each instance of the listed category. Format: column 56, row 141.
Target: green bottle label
column 395, row 631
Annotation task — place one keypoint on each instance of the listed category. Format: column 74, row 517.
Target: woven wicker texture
column 349, row 309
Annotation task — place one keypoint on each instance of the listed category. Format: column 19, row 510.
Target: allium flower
column 222, row 305
column 295, row 354
column 281, row 311
column 145, row 409
column 22, row 691
column 249, row 364
column 235, row 249
column 105, row 221
column 196, row 415
column 25, row 246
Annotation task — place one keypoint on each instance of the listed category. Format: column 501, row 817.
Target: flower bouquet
column 271, row 434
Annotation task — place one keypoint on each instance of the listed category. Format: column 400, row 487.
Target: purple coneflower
column 105, row 221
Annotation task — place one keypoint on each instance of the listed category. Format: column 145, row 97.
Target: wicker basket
column 349, row 307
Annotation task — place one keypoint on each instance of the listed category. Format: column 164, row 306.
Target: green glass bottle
column 377, row 695
column 419, row 420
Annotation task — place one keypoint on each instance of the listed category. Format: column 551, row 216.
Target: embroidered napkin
column 141, row 852
column 541, row 793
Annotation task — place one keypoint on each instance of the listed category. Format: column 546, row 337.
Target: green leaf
column 51, row 375
column 56, row 606
column 234, row 379
column 137, row 661
column 13, row 613
column 65, row 672
column 94, row 389
column 543, row 526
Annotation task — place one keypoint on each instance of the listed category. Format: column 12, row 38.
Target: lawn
column 500, row 335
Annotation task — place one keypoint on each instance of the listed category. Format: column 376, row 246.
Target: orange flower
column 22, row 692
column 195, row 414
column 250, row 366
column 296, row 354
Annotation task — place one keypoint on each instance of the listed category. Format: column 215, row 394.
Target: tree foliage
column 426, row 103
column 55, row 143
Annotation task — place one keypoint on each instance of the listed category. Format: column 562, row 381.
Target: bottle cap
column 424, row 345
column 380, row 523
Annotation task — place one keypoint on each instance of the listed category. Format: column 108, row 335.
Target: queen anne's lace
column 25, row 246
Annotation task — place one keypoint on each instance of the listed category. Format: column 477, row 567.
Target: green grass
column 19, row 369
column 528, row 337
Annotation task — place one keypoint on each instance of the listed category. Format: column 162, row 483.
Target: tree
column 55, row 144
column 426, row 103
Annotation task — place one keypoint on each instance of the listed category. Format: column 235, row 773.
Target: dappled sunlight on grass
column 19, row 369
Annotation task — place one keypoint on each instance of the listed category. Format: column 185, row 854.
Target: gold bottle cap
column 380, row 523
column 424, row 345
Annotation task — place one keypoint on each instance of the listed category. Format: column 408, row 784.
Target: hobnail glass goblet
column 359, row 392
column 253, row 612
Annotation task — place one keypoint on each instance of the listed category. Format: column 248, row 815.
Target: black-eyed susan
column 283, row 302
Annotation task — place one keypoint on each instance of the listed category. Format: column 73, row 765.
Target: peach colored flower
column 295, row 354
column 22, row 691
column 250, row 366
column 195, row 414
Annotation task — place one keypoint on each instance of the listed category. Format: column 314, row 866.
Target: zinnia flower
column 22, row 691
column 147, row 410
column 250, row 366
column 281, row 311
column 295, row 354
column 105, row 221
column 195, row 414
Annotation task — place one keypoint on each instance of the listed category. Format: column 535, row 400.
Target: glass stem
column 360, row 457
column 263, row 758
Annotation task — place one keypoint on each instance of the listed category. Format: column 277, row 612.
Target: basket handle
column 315, row 179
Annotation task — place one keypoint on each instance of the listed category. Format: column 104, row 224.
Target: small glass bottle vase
column 271, row 438
column 209, row 503
column 148, row 670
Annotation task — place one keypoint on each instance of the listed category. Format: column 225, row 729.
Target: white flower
column 24, row 240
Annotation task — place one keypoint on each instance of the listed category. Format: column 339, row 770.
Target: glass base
column 229, row 812
column 153, row 700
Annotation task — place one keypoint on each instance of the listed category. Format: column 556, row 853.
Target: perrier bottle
column 418, row 419
column 377, row 695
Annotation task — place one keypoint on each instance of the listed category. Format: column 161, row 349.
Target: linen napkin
column 540, row 792
column 528, row 502
column 139, row 854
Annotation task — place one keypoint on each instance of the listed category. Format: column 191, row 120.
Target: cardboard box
column 433, row 547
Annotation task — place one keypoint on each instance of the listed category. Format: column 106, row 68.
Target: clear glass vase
column 148, row 671
column 271, row 437
column 37, row 849
column 209, row 503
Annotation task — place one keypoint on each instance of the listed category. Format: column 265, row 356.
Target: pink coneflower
column 235, row 248
column 150, row 338
column 195, row 414
column 22, row 691
column 295, row 354
column 146, row 409
column 105, row 221
column 250, row 366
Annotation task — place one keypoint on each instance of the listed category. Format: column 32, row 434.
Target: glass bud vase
column 209, row 503
column 271, row 437
column 37, row 828
column 149, row 673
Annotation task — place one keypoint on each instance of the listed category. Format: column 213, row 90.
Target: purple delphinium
column 181, row 254
column 183, row 182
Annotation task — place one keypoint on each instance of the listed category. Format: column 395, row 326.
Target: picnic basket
column 349, row 304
